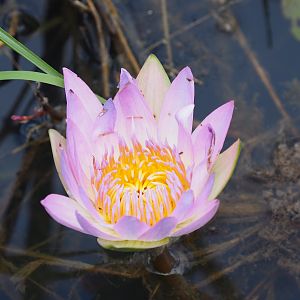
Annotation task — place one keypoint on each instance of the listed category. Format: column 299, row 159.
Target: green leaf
column 15, row 45
column 32, row 76
column 38, row 77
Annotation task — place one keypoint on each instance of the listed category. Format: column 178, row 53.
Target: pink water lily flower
column 135, row 173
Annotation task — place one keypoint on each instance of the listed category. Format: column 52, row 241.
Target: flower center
column 144, row 182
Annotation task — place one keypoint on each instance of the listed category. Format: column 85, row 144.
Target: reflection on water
column 236, row 49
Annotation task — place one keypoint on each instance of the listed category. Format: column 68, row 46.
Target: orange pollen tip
column 144, row 182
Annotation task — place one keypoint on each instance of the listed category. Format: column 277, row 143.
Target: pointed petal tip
column 229, row 104
column 43, row 202
column 125, row 79
column 53, row 133
column 67, row 72
column 152, row 57
column 187, row 72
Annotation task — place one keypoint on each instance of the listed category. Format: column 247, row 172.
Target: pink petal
column 185, row 228
column 107, row 143
column 134, row 118
column 154, row 83
column 79, row 148
column 179, row 95
column 125, row 78
column 160, row 230
column 63, row 210
column 69, row 178
column 91, row 209
column 88, row 99
column 184, row 146
column 76, row 112
column 184, row 205
column 224, row 167
column 65, row 167
column 220, row 120
column 203, row 140
column 184, row 116
column 105, row 121
column 199, row 178
column 202, row 200
column 130, row 228
column 91, row 227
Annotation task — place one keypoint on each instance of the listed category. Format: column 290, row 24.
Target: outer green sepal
column 131, row 246
column 224, row 167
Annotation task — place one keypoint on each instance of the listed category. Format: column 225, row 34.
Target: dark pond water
column 243, row 50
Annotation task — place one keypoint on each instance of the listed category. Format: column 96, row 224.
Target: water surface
column 243, row 50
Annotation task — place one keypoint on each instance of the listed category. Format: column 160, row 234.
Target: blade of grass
column 32, row 76
column 38, row 77
column 15, row 45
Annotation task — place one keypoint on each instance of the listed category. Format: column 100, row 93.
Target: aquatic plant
column 134, row 172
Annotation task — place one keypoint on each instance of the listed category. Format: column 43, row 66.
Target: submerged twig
column 164, row 10
column 73, row 264
column 219, row 274
column 190, row 26
column 262, row 74
column 104, row 59
column 13, row 26
column 217, row 249
column 113, row 23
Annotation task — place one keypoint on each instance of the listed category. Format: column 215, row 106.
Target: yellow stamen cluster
column 144, row 182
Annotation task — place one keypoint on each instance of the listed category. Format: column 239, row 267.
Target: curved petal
column 220, row 120
column 184, row 115
column 190, row 226
column 69, row 176
column 134, row 118
column 77, row 112
column 88, row 99
column 224, row 167
column 108, row 143
column 160, row 230
column 63, row 210
column 199, row 178
column 184, row 205
column 58, row 143
column 91, row 227
column 104, row 137
column 184, row 146
column 179, row 95
column 105, row 121
column 203, row 199
column 130, row 228
column 63, row 165
column 91, row 209
column 154, row 83
column 203, row 140
column 79, row 148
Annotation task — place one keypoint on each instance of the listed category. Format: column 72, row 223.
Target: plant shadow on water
column 245, row 50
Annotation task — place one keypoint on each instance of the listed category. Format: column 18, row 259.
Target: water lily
column 135, row 173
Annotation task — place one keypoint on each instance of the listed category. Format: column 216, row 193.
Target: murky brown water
column 245, row 50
